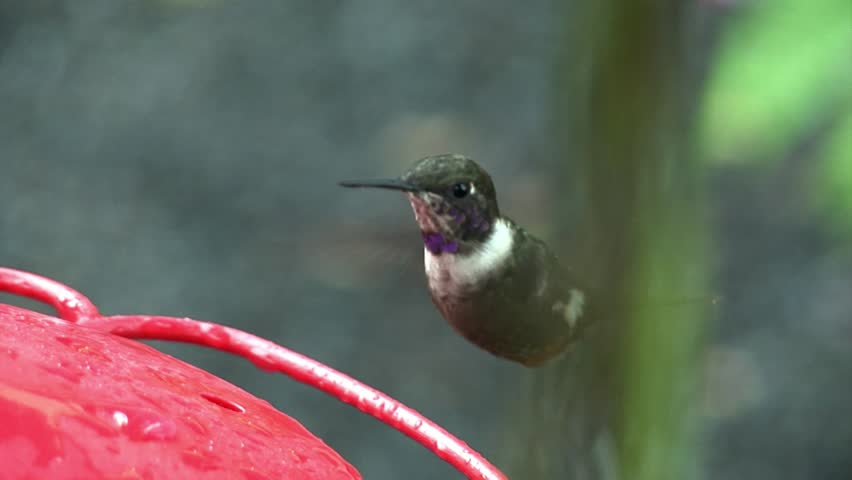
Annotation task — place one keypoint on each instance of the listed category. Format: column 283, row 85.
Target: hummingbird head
column 453, row 199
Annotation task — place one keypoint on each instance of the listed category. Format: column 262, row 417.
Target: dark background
column 181, row 158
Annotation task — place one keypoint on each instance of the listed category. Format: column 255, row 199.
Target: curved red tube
column 74, row 307
column 70, row 304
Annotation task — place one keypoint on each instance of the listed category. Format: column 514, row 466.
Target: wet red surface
column 78, row 403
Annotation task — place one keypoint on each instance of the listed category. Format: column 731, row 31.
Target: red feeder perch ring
column 146, row 383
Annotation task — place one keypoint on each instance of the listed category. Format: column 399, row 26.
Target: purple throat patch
column 437, row 244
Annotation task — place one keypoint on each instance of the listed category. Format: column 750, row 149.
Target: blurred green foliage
column 781, row 65
column 662, row 343
column 783, row 72
column 833, row 184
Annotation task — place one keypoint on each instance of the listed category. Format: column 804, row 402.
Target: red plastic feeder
column 80, row 400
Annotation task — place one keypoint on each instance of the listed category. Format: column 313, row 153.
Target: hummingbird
column 496, row 284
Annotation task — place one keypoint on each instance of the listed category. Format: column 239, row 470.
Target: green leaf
column 781, row 65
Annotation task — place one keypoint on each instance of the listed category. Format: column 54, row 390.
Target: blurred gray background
column 181, row 158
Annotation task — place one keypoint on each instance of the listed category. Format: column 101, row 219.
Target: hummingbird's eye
column 461, row 189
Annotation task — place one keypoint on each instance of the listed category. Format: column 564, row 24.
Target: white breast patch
column 449, row 271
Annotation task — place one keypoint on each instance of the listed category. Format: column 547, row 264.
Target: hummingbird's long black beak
column 388, row 184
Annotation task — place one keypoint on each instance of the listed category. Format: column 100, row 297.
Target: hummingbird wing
column 561, row 289
column 537, row 305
